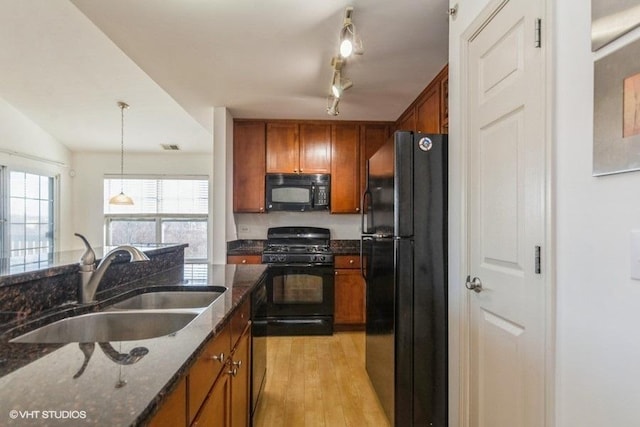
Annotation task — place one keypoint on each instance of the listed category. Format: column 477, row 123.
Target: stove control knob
column 320, row 257
column 282, row 258
column 273, row 258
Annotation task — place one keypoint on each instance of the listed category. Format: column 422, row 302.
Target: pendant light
column 121, row 199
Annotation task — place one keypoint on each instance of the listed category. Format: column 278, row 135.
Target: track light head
column 332, row 106
column 350, row 43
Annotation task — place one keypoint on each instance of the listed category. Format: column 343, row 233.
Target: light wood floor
column 318, row 381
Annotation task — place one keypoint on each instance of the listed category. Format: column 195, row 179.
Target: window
column 29, row 237
column 166, row 210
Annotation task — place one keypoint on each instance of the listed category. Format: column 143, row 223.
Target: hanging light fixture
column 121, row 199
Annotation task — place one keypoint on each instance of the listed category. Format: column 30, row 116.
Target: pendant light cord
column 122, row 107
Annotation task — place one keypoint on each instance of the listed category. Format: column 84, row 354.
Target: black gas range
column 298, row 245
column 300, row 282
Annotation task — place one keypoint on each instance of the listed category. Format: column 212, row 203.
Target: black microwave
column 298, row 192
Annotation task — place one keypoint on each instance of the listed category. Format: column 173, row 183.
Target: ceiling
column 65, row 64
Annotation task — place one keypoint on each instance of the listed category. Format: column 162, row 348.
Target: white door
column 506, row 218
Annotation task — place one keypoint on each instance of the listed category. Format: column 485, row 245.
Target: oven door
column 299, row 291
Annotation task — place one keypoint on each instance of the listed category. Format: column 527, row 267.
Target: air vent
column 170, row 147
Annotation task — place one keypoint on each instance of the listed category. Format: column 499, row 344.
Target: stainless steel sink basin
column 169, row 300
column 109, row 326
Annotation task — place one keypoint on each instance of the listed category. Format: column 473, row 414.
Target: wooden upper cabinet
column 372, row 137
column 248, row 166
column 283, row 148
column 315, row 148
column 407, row 121
column 428, row 111
column 444, row 103
column 345, row 170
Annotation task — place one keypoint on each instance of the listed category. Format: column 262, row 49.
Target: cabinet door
column 282, row 148
column 173, row 412
column 315, row 148
column 428, row 111
column 216, row 410
column 349, row 297
column 241, row 361
column 206, row 368
column 345, row 168
column 373, row 136
column 444, row 103
column 248, row 166
column 407, row 121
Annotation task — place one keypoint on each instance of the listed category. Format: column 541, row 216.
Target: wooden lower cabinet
column 350, row 295
column 174, row 411
column 244, row 259
column 240, row 386
column 215, row 412
column 215, row 394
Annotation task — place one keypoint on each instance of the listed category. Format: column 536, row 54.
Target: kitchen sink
column 110, row 326
column 165, row 300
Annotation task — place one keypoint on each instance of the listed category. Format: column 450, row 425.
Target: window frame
column 158, row 218
column 5, row 206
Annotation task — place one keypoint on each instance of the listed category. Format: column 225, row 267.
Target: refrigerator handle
column 362, row 263
column 362, row 210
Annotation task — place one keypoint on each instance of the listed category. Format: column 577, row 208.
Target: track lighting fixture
column 350, row 44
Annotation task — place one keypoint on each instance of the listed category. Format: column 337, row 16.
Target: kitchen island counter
column 70, row 385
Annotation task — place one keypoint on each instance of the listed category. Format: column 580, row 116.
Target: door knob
column 474, row 285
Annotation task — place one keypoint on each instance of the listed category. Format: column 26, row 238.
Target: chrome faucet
column 90, row 275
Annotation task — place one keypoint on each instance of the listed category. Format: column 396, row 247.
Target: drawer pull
column 218, row 357
column 351, row 261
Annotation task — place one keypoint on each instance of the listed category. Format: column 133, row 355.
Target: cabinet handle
column 233, row 372
column 300, row 169
column 218, row 357
column 350, row 261
column 244, row 261
column 357, row 209
column 237, row 364
column 261, row 209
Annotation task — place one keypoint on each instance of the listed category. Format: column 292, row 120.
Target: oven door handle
column 313, row 196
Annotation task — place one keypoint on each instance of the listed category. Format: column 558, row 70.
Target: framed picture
column 616, row 118
column 611, row 19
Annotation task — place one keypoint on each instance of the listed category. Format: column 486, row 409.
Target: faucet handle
column 88, row 258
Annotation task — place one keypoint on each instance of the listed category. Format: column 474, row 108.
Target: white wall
column 254, row 226
column 36, row 151
column 598, row 305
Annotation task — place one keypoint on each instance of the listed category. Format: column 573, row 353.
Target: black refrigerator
column 404, row 250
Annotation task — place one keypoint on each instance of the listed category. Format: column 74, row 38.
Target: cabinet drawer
column 244, row 259
column 206, row 369
column 239, row 321
column 346, row 261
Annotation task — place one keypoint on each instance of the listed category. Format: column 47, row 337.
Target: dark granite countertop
column 38, row 377
column 15, row 270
